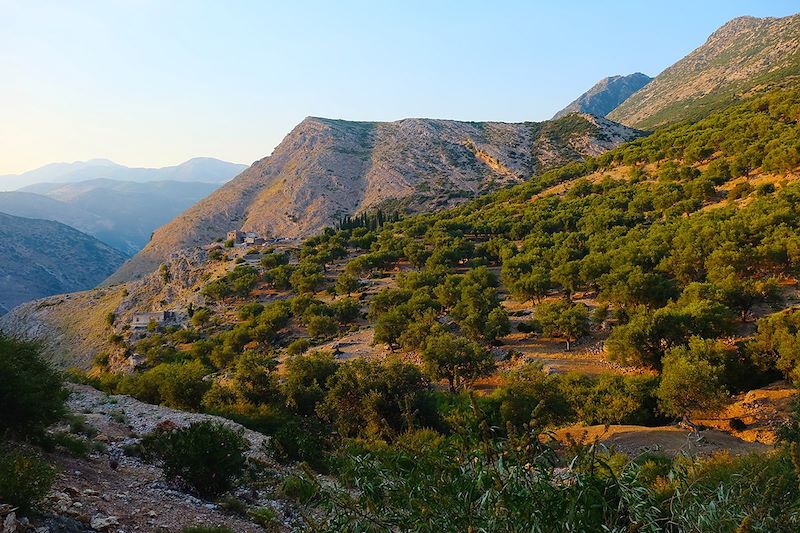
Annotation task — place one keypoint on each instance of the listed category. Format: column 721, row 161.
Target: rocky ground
column 90, row 495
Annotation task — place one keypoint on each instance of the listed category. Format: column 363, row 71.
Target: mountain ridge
column 43, row 257
column 743, row 55
column 197, row 169
column 120, row 214
column 326, row 168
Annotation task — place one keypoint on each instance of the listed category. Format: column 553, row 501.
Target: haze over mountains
column 63, row 232
column 120, row 206
column 202, row 169
column 42, row 257
column 120, row 213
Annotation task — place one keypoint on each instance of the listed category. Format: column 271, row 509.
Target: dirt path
column 670, row 440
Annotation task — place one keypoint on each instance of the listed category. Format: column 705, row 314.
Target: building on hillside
column 141, row 321
column 252, row 238
column 236, row 236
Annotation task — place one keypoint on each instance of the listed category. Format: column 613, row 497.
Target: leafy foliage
column 208, row 456
column 31, row 392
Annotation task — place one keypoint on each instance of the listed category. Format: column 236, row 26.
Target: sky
column 156, row 82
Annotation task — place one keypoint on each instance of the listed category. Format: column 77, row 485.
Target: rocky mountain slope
column 744, row 55
column 606, row 95
column 42, row 257
column 325, row 169
column 204, row 169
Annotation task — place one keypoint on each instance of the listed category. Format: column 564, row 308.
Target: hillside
column 325, row 169
column 42, row 257
column 746, row 54
column 606, row 95
column 600, row 301
column 635, row 188
column 202, row 169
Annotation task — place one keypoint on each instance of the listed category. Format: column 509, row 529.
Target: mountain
column 121, row 214
column 30, row 205
column 606, row 95
column 747, row 54
column 41, row 257
column 202, row 169
column 326, row 168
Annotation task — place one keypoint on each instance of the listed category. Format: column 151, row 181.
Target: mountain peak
column 606, row 95
column 745, row 53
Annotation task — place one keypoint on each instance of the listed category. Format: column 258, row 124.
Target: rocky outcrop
column 73, row 328
column 745, row 54
column 606, row 95
column 325, row 169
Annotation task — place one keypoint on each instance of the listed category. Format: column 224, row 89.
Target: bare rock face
column 325, row 169
column 606, row 95
column 745, row 54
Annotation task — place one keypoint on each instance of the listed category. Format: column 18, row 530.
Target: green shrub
column 31, row 392
column 300, row 441
column 74, row 444
column 233, row 505
column 264, row 517
column 178, row 385
column 299, row 488
column 298, row 346
column 206, row 529
column 208, row 456
column 25, row 477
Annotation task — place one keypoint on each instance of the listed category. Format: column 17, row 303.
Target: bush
column 264, row 517
column 25, row 478
column 298, row 346
column 307, row 380
column 31, row 393
column 208, row 456
column 178, row 385
column 321, row 326
column 232, row 505
column 299, row 488
column 300, row 441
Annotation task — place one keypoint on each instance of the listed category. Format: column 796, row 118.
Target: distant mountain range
column 121, row 214
column 745, row 55
column 202, row 169
column 41, row 257
column 606, row 95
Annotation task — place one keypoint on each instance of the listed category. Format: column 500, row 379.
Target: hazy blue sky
column 155, row 82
